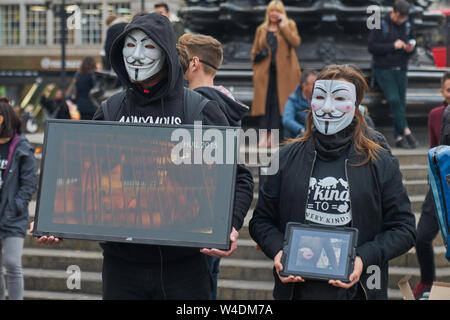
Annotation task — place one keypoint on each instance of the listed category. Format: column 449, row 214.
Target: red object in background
column 440, row 53
column 440, row 56
column 445, row 11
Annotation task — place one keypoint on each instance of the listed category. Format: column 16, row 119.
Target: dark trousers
column 427, row 230
column 185, row 279
column 272, row 118
column 393, row 84
column 213, row 264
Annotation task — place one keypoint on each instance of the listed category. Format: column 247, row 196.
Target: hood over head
column 160, row 30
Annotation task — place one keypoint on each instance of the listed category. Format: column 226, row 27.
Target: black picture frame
column 319, row 252
column 203, row 193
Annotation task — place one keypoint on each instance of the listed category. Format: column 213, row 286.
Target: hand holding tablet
column 321, row 253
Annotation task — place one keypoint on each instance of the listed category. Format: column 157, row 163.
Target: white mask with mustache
column 333, row 105
column 142, row 56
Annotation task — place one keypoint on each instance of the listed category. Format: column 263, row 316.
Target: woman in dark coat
column 84, row 82
column 18, row 183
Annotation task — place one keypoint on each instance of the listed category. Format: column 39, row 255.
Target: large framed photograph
column 319, row 252
column 135, row 183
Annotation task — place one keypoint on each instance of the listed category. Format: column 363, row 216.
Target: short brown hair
column 110, row 19
column 163, row 5
column 183, row 56
column 402, row 7
column 444, row 78
column 208, row 49
column 305, row 75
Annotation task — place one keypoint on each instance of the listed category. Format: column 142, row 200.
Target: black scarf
column 330, row 147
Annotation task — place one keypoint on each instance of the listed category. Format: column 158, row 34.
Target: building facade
column 30, row 35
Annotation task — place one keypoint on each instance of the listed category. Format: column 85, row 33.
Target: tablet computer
column 319, row 252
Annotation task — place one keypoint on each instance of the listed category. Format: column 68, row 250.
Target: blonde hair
column 208, row 49
column 274, row 4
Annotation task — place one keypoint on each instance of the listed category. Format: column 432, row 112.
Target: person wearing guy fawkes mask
column 339, row 173
column 144, row 57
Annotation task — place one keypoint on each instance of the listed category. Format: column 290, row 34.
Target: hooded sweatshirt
column 162, row 104
column 233, row 109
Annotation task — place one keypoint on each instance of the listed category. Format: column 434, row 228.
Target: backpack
column 439, row 175
column 193, row 105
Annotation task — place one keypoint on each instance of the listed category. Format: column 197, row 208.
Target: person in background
column 276, row 71
column 18, row 183
column 370, row 196
column 428, row 226
column 391, row 47
column 115, row 27
column 365, row 112
column 84, row 81
column 163, row 8
column 204, row 57
column 56, row 107
column 297, row 106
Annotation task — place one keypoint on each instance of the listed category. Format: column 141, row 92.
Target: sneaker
column 402, row 143
column 421, row 289
column 412, row 142
column 425, row 296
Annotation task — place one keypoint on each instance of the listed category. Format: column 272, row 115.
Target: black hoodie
column 234, row 111
column 162, row 105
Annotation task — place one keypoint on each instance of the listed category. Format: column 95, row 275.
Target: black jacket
column 381, row 210
column 56, row 108
column 164, row 105
column 234, row 111
column 84, row 84
column 20, row 183
column 381, row 44
column 445, row 127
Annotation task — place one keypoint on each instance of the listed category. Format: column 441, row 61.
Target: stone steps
column 244, row 290
column 53, row 295
column 90, row 261
column 397, row 273
column 55, row 280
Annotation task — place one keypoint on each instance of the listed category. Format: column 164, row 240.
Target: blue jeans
column 185, row 279
column 213, row 264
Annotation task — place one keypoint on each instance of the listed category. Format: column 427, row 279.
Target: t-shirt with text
column 329, row 195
